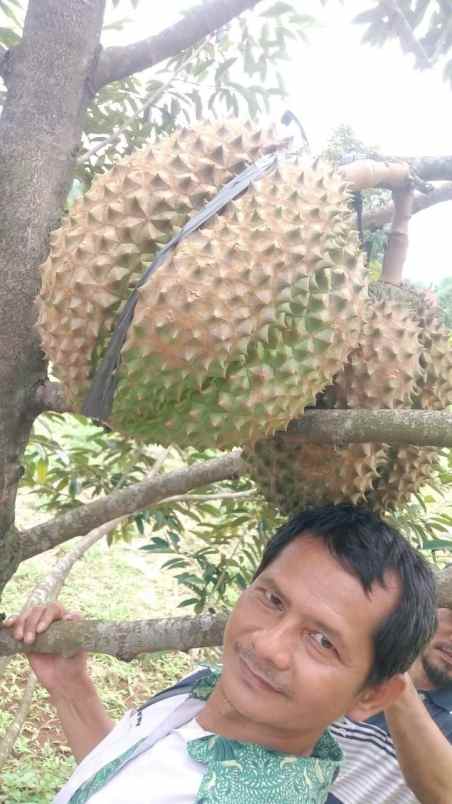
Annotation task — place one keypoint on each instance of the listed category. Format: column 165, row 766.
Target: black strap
column 181, row 688
column 99, row 401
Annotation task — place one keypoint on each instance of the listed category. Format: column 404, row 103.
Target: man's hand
column 424, row 753
column 407, row 694
column 83, row 717
column 55, row 673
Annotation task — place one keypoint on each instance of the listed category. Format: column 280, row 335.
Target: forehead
column 314, row 582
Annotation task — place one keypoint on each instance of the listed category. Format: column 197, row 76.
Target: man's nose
column 275, row 645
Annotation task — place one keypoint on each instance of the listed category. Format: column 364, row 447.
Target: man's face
column 299, row 644
column 437, row 657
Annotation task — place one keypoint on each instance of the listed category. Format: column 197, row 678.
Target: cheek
column 244, row 619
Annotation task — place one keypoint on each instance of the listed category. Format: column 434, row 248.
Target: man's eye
column 272, row 599
column 322, row 641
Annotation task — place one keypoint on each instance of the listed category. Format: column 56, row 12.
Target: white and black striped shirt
column 370, row 773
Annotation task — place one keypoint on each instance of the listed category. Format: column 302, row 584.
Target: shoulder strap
column 184, row 686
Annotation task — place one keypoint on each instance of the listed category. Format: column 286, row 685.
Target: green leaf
column 41, row 470
column 8, row 37
column 438, row 544
column 224, row 67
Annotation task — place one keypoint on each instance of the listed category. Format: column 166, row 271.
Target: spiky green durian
column 402, row 361
column 239, row 329
column 115, row 230
column 249, row 319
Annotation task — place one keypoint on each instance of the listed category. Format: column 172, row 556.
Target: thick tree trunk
column 47, row 78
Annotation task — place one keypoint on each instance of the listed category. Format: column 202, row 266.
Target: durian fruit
column 249, row 320
column 239, row 329
column 113, row 232
column 382, row 372
column 408, row 468
column 293, row 475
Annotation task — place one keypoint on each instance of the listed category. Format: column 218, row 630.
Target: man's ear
column 377, row 697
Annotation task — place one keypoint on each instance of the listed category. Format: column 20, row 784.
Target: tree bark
column 397, row 246
column 125, row 640
column 341, row 427
column 40, row 128
column 119, row 62
column 431, row 168
column 375, row 218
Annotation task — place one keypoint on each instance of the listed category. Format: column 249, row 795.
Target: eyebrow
column 315, row 621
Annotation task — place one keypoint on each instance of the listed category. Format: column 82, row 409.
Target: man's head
column 436, row 659
column 340, row 606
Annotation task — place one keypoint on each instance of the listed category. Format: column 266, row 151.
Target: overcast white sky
column 336, row 79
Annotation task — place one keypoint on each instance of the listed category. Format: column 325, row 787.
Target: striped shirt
column 370, row 773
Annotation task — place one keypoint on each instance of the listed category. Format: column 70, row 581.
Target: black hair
column 368, row 547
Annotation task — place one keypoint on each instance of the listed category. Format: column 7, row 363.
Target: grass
column 116, row 583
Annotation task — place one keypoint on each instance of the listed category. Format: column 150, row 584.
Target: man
column 416, row 764
column 340, row 607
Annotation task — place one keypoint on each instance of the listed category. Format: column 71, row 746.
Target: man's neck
column 220, row 717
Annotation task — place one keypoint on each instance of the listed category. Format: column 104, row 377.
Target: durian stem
column 397, row 248
column 367, row 173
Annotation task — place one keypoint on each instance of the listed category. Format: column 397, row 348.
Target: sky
column 336, row 79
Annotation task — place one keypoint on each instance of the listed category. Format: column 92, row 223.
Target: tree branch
column 48, row 589
column 50, row 396
column 423, row 428
column 124, row 640
column 397, row 246
column 375, row 218
column 126, row 501
column 340, row 427
column 430, row 168
column 119, row 62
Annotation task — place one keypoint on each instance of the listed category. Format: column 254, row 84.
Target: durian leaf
column 438, row 544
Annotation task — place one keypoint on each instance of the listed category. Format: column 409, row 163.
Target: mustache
column 266, row 673
column 445, row 646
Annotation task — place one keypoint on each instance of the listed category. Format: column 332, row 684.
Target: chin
column 247, row 702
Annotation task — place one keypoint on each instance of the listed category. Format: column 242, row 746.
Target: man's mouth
column 255, row 678
column 446, row 653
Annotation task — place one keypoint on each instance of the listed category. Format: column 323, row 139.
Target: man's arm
column 83, row 717
column 424, row 753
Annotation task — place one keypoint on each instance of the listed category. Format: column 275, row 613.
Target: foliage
column 213, row 545
column 235, row 71
column 427, row 519
column 222, row 555
column 430, row 24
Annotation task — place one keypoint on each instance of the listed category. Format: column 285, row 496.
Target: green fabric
column 241, row 773
column 100, row 779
